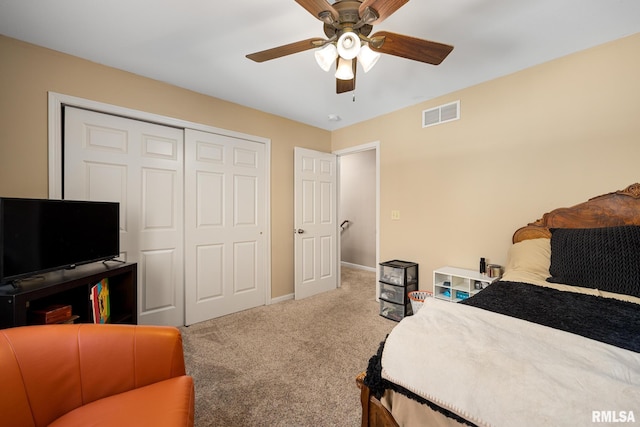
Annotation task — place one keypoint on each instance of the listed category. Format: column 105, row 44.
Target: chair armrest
column 66, row 366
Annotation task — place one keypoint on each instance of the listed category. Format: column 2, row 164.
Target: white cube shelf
column 456, row 284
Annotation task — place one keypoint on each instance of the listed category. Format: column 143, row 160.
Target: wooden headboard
column 618, row 208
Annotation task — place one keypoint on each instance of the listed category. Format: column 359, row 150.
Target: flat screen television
column 41, row 235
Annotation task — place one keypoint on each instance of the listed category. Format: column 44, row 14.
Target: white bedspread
column 499, row 371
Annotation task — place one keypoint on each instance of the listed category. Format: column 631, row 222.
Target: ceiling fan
column 347, row 25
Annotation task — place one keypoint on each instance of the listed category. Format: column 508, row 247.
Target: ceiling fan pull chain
column 354, row 96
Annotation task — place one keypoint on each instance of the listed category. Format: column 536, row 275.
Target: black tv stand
column 72, row 287
column 114, row 260
column 15, row 284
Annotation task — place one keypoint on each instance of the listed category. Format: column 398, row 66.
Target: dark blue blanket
column 607, row 320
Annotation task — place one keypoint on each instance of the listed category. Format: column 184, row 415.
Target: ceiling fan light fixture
column 348, row 45
column 345, row 69
column 326, row 17
column 367, row 57
column 326, row 56
column 369, row 15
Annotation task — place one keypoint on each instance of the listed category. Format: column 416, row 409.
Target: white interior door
column 139, row 165
column 225, row 225
column 315, row 222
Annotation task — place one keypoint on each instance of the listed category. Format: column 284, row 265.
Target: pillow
column 532, row 255
column 605, row 258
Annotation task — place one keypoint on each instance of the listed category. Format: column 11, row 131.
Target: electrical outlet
column 395, row 215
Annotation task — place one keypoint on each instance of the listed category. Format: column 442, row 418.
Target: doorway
column 359, row 206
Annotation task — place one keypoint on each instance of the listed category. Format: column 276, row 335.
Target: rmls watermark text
column 613, row 417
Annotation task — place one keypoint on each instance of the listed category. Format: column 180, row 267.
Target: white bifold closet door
column 139, row 165
column 192, row 211
column 225, row 225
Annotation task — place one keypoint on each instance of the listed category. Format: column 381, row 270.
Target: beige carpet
column 288, row 364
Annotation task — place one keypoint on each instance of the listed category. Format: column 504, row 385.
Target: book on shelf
column 56, row 313
column 100, row 304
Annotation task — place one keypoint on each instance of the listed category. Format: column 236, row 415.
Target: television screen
column 39, row 235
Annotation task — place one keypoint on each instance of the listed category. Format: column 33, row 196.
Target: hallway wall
column 358, row 205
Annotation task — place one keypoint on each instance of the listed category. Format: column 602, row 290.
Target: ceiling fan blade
column 384, row 8
column 284, row 50
column 412, row 48
column 315, row 7
column 343, row 86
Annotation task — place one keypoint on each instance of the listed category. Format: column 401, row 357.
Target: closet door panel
column 225, row 187
column 139, row 165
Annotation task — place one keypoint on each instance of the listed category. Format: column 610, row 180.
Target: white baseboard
column 357, row 266
column 282, row 298
column 342, row 263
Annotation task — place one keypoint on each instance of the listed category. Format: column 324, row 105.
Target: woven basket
column 417, row 299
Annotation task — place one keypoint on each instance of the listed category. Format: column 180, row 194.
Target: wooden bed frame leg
column 364, row 400
column 374, row 414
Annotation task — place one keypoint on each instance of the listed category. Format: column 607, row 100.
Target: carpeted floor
column 292, row 363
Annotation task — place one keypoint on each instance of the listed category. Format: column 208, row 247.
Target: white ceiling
column 201, row 45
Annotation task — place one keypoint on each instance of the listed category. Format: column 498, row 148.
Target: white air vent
column 442, row 114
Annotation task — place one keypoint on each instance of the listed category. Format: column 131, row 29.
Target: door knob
column 299, row 231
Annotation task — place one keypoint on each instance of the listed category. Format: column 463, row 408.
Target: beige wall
column 549, row 136
column 28, row 72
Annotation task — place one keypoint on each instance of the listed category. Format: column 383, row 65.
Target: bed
column 556, row 341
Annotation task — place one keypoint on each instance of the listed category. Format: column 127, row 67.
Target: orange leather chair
column 94, row 375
